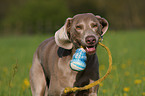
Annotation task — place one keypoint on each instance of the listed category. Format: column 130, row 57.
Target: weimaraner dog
column 51, row 74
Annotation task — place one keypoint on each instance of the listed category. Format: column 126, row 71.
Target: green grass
column 127, row 48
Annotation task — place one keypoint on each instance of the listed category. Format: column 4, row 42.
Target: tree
column 35, row 16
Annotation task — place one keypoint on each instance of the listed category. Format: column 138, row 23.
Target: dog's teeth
column 91, row 49
column 87, row 48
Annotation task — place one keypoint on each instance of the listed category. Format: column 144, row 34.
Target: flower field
column 127, row 77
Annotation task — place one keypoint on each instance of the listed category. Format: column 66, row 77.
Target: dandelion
column 123, row 66
column 129, row 62
column 126, row 89
column 11, row 85
column 101, row 84
column 143, row 94
column 143, row 78
column 26, row 84
column 104, row 91
column 124, row 94
column 137, row 81
column 127, row 73
column 136, row 75
column 5, row 70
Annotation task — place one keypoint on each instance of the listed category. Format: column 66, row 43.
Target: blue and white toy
column 78, row 61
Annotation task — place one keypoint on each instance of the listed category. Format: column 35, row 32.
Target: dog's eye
column 79, row 27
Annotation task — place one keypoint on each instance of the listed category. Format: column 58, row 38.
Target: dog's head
column 82, row 30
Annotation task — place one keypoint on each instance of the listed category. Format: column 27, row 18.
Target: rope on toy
column 68, row 89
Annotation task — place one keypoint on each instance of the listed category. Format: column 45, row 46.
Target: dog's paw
column 93, row 94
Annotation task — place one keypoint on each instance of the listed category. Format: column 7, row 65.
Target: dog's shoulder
column 51, row 39
column 46, row 45
column 48, row 42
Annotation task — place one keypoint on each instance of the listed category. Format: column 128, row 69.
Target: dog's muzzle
column 91, row 42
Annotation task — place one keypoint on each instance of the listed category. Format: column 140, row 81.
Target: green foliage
column 46, row 16
column 37, row 16
column 127, row 77
column 121, row 14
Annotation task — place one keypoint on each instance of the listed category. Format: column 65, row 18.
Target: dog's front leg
column 93, row 94
column 93, row 90
column 68, row 94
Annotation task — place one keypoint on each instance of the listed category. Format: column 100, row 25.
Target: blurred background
column 46, row 16
column 24, row 24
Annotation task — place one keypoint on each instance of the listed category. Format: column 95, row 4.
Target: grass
column 127, row 77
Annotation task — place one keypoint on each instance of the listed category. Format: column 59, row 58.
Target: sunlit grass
column 127, row 77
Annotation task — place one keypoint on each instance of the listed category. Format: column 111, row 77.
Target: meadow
column 127, row 77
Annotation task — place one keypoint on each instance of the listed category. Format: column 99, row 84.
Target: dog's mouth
column 90, row 49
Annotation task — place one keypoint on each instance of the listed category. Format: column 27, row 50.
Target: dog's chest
column 66, row 75
column 70, row 78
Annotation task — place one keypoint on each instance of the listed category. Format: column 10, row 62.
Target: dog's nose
column 90, row 40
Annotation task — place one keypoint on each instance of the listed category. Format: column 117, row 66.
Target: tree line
column 47, row 16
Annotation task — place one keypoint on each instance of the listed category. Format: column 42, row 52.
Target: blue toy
column 78, row 61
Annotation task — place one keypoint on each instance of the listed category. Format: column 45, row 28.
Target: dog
column 50, row 73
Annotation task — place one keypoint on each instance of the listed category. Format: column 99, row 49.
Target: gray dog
column 51, row 74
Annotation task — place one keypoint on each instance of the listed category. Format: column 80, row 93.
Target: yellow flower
column 11, row 84
column 143, row 94
column 101, row 84
column 26, row 83
column 129, row 62
column 124, row 94
column 5, row 69
column 126, row 89
column 104, row 91
column 137, row 81
column 23, row 87
column 123, row 66
column 136, row 75
column 127, row 73
column 143, row 78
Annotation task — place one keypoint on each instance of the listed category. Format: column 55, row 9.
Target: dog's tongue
column 92, row 49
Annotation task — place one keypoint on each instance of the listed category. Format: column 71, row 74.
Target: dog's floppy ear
column 104, row 24
column 62, row 35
